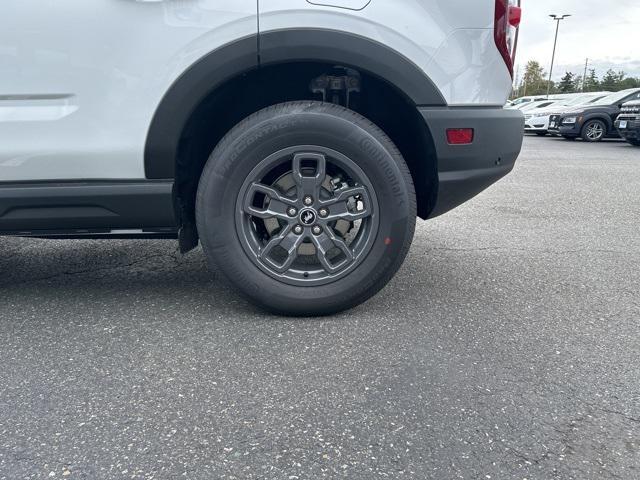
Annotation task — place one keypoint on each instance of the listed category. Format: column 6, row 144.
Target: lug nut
column 317, row 230
column 292, row 212
column 298, row 230
column 323, row 212
column 308, row 200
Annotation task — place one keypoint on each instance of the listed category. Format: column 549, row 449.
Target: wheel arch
column 236, row 59
column 227, row 85
column 351, row 50
column 184, row 96
column 599, row 116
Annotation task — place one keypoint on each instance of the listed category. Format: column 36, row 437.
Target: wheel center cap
column 308, row 217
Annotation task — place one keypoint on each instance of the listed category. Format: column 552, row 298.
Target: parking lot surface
column 508, row 347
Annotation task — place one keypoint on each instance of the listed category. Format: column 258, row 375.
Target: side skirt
column 87, row 209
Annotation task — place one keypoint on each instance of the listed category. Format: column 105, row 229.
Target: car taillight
column 515, row 16
column 506, row 27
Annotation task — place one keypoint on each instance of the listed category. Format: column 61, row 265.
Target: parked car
column 592, row 122
column 297, row 142
column 515, row 103
column 520, row 102
column 537, row 121
column 534, row 106
column 628, row 122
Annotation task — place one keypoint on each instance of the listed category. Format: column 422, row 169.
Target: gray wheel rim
column 594, row 131
column 292, row 234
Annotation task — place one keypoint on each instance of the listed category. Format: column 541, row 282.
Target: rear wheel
column 308, row 208
column 593, row 131
column 634, row 141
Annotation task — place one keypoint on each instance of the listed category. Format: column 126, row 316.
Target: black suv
column 628, row 123
column 595, row 121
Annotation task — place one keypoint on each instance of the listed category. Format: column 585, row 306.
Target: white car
column 535, row 106
column 522, row 102
column 537, row 121
column 297, row 141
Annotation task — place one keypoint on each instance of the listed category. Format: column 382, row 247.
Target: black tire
column 221, row 217
column 541, row 134
column 634, row 142
column 593, row 131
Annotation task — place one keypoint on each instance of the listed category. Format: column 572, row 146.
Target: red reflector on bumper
column 459, row 136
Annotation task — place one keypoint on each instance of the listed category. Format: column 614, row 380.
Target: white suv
column 297, row 140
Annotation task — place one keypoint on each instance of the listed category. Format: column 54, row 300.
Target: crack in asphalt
column 98, row 269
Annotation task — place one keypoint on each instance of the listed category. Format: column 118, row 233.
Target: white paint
column 81, row 80
column 117, row 59
column 349, row 4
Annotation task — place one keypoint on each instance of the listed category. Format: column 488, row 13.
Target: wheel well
column 250, row 92
column 607, row 122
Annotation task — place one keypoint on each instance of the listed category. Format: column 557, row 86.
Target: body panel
column 450, row 40
column 80, row 81
column 93, row 95
column 350, row 4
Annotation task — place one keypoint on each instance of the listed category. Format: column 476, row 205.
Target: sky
column 605, row 31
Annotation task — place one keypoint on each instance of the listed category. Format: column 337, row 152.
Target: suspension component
column 338, row 89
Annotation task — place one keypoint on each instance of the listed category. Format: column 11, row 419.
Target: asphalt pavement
column 508, row 347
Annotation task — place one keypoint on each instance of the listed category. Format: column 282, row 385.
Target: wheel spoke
column 309, row 185
column 277, row 207
column 307, row 215
column 595, row 131
column 339, row 208
column 326, row 242
column 288, row 241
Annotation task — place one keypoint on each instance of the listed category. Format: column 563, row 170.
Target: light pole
column 557, row 19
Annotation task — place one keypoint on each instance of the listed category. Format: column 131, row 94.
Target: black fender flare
column 271, row 48
column 186, row 93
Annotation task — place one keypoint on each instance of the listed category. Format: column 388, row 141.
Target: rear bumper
column 466, row 170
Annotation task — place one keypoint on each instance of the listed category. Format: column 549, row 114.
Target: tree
column 591, row 83
column 630, row 82
column 567, row 84
column 612, row 80
column 533, row 82
column 577, row 83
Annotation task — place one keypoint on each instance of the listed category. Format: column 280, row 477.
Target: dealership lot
column 507, row 347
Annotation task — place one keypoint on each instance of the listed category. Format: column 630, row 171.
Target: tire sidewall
column 586, row 126
column 234, row 160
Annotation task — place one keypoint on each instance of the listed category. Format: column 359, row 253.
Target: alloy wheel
column 307, row 215
column 595, row 131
